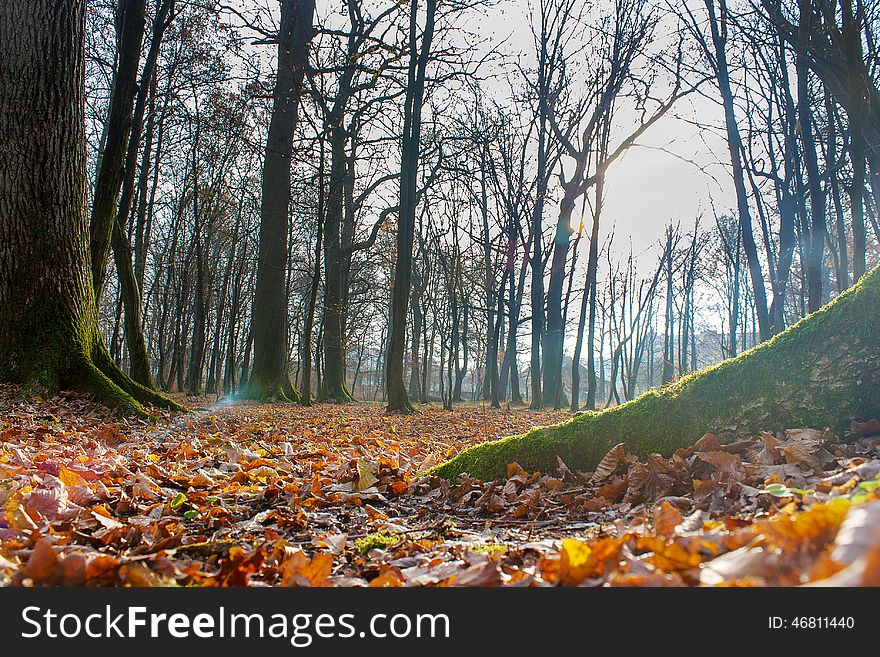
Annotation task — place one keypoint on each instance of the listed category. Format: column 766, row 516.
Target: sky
column 676, row 172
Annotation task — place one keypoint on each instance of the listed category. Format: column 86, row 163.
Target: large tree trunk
column 822, row 372
column 49, row 336
column 270, row 378
column 554, row 339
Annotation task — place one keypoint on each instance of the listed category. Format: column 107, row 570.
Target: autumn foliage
column 342, row 495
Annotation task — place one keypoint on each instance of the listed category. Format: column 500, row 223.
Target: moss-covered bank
column 821, row 372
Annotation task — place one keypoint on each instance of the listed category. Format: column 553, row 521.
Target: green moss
column 821, row 372
column 279, row 390
column 377, row 540
column 89, row 378
column 137, row 392
column 490, row 548
column 338, row 394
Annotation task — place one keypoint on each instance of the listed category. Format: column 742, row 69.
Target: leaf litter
column 342, row 495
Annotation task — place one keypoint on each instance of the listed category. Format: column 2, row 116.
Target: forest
column 439, row 292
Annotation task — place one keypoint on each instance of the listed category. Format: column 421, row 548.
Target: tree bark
column 49, row 336
column 588, row 312
column 305, row 398
column 270, row 378
column 555, row 337
column 816, row 235
column 333, row 387
column 139, row 361
column 398, row 400
column 108, row 180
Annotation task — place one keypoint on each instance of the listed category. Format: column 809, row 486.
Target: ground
column 345, row 495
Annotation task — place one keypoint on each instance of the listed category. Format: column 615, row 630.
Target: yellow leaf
column 70, row 478
column 574, row 563
column 366, row 473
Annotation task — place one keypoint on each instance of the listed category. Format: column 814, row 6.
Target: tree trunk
column 139, row 361
column 822, row 372
column 417, row 321
column 305, row 398
column 555, row 337
column 857, row 113
column 588, row 303
column 537, row 292
column 734, row 143
column 333, row 387
column 817, row 229
column 270, row 379
column 108, row 180
column 49, row 336
column 398, row 400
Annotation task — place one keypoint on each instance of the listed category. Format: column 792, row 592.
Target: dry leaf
column 609, row 462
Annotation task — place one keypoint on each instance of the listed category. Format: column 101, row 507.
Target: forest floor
column 341, row 495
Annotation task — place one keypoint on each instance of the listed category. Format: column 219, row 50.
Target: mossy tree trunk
column 270, row 379
column 49, row 335
column 822, row 372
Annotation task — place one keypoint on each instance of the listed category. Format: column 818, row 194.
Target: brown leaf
column 771, row 453
column 614, row 490
column 42, row 566
column 597, row 503
column 387, row 579
column 801, row 454
column 478, row 575
column 609, row 462
column 862, row 429
column 666, row 519
column 656, row 478
column 708, row 443
column 729, row 464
